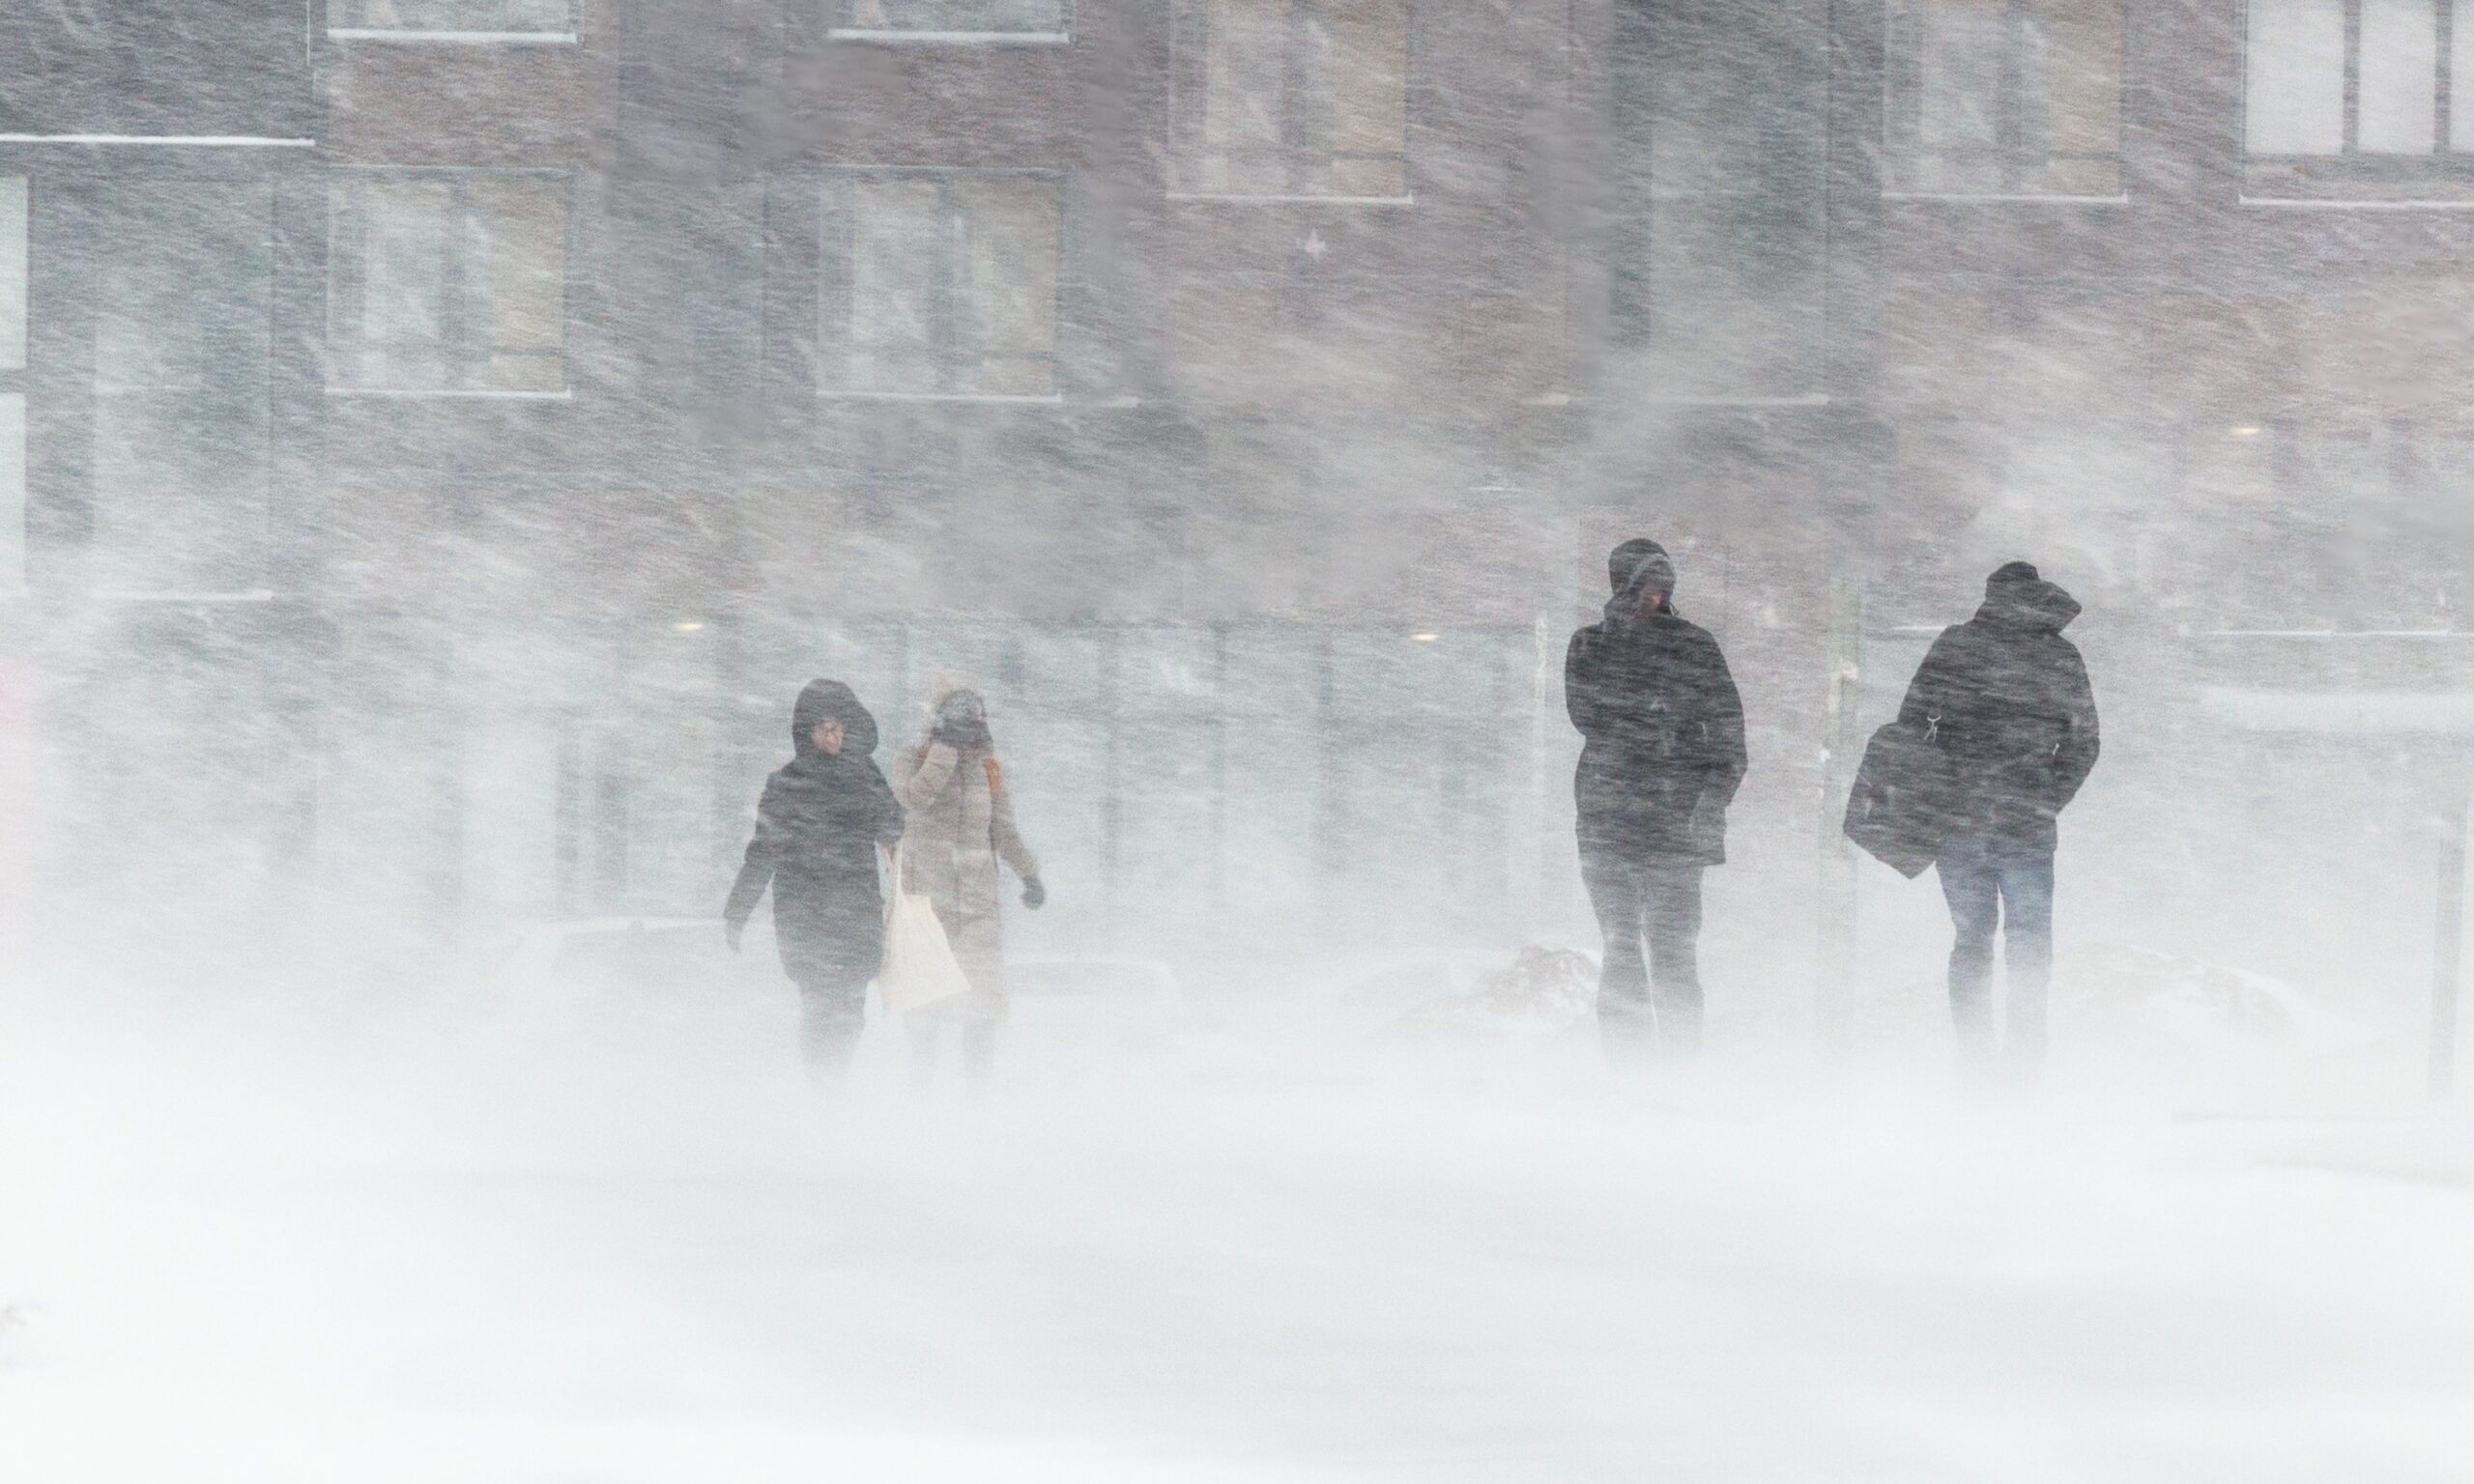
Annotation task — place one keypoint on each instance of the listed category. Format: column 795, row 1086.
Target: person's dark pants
column 2003, row 884
column 1653, row 1006
column 833, row 1012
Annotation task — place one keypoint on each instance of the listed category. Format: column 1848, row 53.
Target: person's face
column 827, row 738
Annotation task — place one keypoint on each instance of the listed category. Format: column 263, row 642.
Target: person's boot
column 1627, row 1036
column 1678, row 1038
column 828, row 1059
column 2023, row 1062
column 1972, row 1019
column 979, row 1056
column 2023, row 1035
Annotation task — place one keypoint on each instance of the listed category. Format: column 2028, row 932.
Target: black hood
column 2017, row 596
column 1634, row 570
column 830, row 701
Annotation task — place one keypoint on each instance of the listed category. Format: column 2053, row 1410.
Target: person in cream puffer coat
column 959, row 829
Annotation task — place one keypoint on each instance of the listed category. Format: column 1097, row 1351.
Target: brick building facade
column 458, row 426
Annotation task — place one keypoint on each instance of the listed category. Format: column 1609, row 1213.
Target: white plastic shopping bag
column 920, row 967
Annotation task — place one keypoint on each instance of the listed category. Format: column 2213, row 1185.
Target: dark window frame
column 1189, row 92
column 2349, row 160
column 835, row 303
column 2015, row 128
column 460, row 356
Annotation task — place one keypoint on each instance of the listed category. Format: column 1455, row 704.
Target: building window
column 2003, row 97
column 1719, row 270
column 1041, row 20
column 13, row 276
column 184, row 303
column 2367, row 80
column 447, row 282
column 1291, row 98
column 939, row 284
column 13, row 383
column 471, row 17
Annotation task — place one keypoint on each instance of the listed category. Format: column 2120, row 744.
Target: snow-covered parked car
column 640, row 961
column 664, row 987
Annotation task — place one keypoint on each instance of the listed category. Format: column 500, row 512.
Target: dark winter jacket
column 816, row 832
column 2007, row 696
column 1663, row 737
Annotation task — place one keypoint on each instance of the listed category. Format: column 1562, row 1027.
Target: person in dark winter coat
column 2007, row 699
column 817, row 829
column 1661, row 757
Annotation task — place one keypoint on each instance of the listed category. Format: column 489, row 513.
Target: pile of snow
column 2142, row 1002
column 2131, row 1017
column 19, row 1335
column 1543, row 994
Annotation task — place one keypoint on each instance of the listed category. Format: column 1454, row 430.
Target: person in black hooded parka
column 2007, row 699
column 1661, row 757
column 817, row 829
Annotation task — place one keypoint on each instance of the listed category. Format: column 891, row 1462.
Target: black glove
column 1033, row 894
column 962, row 736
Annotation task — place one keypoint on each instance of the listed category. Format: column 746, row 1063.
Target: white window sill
column 998, row 399
column 456, row 38
column 2020, row 198
column 214, row 141
column 1806, row 399
column 132, row 595
column 2356, row 204
column 2373, row 633
column 1228, row 198
column 951, row 38
column 451, row 393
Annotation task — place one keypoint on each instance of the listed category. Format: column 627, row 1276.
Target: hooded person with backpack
column 2008, row 701
column 1661, row 757
column 961, row 827
column 818, row 827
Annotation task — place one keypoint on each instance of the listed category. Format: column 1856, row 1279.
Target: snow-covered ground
column 1281, row 1246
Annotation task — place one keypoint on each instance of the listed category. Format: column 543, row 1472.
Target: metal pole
column 2447, row 951
column 1833, row 1011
